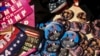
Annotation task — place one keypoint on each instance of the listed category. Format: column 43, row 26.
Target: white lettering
column 26, row 22
column 19, row 4
column 23, row 13
column 1, row 15
column 4, row 18
column 10, row 21
column 7, row 36
column 7, row 4
column 7, row 17
column 13, row 8
column 6, row 12
column 0, row 3
column 3, row 25
column 12, row 15
column 17, row 17
column 7, row 53
column 13, row 1
column 2, row 43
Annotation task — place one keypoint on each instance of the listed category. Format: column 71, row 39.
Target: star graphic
column 14, row 45
column 21, row 35
column 18, row 41
column 11, row 48
column 1, row 55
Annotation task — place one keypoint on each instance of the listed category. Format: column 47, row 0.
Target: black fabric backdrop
column 42, row 13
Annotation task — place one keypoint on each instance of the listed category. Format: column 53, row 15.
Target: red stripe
column 12, row 38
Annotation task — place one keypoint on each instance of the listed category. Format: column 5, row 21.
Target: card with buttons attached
column 11, row 42
column 34, row 37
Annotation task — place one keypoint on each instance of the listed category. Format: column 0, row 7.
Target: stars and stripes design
column 15, row 45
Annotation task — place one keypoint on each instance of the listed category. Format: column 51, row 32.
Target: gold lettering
column 25, row 48
column 28, row 39
column 35, row 40
column 28, row 44
column 32, row 40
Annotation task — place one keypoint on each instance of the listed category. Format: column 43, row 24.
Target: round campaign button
column 84, row 41
column 63, row 52
column 89, row 52
column 95, row 33
column 67, row 25
column 97, row 52
column 85, row 28
column 77, row 51
column 82, row 16
column 67, row 14
column 42, row 25
column 94, row 43
column 70, row 39
column 75, row 26
column 53, row 31
column 96, row 28
column 96, row 24
column 51, row 48
column 12, row 42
